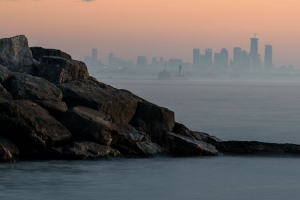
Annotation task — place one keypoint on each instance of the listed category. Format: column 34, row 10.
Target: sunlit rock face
column 16, row 55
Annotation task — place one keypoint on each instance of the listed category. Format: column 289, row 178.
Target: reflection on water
column 215, row 178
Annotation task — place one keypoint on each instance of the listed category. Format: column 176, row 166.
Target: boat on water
column 166, row 75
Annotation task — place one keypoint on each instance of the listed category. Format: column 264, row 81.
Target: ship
column 165, row 75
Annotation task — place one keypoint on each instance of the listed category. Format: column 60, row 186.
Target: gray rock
column 149, row 149
column 59, row 70
column 119, row 105
column 184, row 146
column 31, row 128
column 153, row 120
column 4, row 95
column 4, row 74
column 8, row 150
column 38, row 90
column 39, row 52
column 86, row 150
column 89, row 125
column 16, row 55
column 184, row 131
column 254, row 147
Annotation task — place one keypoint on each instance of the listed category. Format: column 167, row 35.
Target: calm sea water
column 264, row 111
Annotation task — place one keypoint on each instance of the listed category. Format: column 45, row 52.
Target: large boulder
column 119, row 105
column 184, row 131
column 60, row 70
column 153, row 120
column 31, row 128
column 184, row 146
column 4, row 95
column 85, row 150
column 254, row 147
column 89, row 125
column 38, row 90
column 4, row 74
column 8, row 150
column 39, row 52
column 16, row 55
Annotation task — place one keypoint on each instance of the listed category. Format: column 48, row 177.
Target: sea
column 267, row 111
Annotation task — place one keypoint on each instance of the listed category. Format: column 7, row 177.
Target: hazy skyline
column 169, row 28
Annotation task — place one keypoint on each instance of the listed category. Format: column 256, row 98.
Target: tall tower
column 94, row 54
column 268, row 57
column 255, row 57
column 196, row 57
column 208, row 57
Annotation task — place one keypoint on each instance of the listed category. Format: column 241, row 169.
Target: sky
column 155, row 28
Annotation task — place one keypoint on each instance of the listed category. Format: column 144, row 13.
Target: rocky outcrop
column 39, row 52
column 184, row 146
column 254, row 147
column 38, row 90
column 31, row 128
column 60, row 70
column 119, row 105
column 16, row 55
column 153, row 120
column 4, row 74
column 85, row 150
column 8, row 150
column 53, row 109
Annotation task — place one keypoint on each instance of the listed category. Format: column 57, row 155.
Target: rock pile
column 50, row 108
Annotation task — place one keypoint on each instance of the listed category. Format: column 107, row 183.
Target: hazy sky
column 169, row 28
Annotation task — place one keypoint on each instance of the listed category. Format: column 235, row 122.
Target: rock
column 8, row 150
column 153, row 120
column 119, row 105
column 149, row 149
column 59, row 70
column 39, row 52
column 254, row 147
column 16, row 55
column 4, row 74
column 89, row 125
column 31, row 128
column 86, row 150
column 184, row 131
column 4, row 95
column 184, row 146
column 38, row 90
column 136, row 144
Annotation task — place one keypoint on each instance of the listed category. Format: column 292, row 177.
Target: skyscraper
column 94, row 54
column 141, row 61
column 268, row 57
column 255, row 57
column 196, row 57
column 208, row 57
column 110, row 59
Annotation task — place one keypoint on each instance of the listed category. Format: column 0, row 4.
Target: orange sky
column 169, row 28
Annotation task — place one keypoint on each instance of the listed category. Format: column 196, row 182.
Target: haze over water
column 264, row 111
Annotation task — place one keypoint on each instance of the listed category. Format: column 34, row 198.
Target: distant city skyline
column 168, row 28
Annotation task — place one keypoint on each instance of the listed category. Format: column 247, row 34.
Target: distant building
column 174, row 63
column 268, row 57
column 221, row 59
column 255, row 57
column 141, row 61
column 196, row 58
column 94, row 55
column 111, row 59
column 208, row 58
column 154, row 63
column 241, row 60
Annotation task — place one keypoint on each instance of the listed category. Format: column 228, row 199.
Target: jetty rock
column 51, row 108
